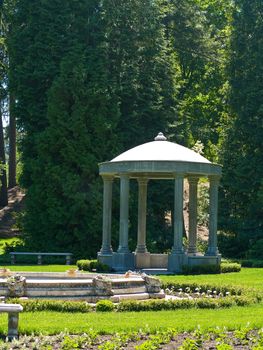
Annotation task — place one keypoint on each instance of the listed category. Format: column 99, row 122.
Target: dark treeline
column 87, row 80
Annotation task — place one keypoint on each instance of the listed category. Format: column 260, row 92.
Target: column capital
column 193, row 179
column 108, row 178
column 124, row 176
column 178, row 175
column 142, row 180
column 215, row 179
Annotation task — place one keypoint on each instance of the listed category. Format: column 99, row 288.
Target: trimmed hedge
column 224, row 267
column 105, row 306
column 92, row 265
column 202, row 303
column 230, row 267
column 32, row 305
column 200, row 269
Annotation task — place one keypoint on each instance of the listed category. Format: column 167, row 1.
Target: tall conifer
column 242, row 202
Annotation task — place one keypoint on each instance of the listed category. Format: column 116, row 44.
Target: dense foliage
column 91, row 79
column 242, row 202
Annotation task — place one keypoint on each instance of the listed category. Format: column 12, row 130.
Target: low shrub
column 32, row 305
column 99, row 267
column 202, row 303
column 83, row 265
column 200, row 269
column 206, row 303
column 36, row 305
column 155, row 305
column 92, row 265
column 230, row 267
column 104, row 306
column 224, row 267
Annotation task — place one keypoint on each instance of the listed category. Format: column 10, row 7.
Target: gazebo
column 159, row 159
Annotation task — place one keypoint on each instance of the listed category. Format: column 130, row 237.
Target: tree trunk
column 12, row 144
column 3, row 180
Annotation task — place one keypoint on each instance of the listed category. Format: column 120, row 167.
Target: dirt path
column 15, row 205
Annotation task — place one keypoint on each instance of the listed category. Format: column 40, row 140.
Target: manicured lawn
column 40, row 268
column 247, row 277
column 182, row 320
column 110, row 322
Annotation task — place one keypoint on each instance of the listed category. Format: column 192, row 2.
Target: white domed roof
column 160, row 150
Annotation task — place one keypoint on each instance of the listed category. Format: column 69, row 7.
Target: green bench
column 39, row 256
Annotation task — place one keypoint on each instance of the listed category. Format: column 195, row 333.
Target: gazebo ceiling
column 159, row 159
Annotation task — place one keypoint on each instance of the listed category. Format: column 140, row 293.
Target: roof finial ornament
column 160, row 137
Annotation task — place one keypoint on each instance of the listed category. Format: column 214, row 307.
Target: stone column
column 213, row 208
column 124, row 214
column 106, row 248
column 142, row 206
column 178, row 214
column 193, row 181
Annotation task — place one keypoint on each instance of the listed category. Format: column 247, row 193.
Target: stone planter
column 16, row 286
column 102, row 286
column 153, row 284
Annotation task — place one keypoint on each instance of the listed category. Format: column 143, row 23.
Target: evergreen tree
column 37, row 43
column 199, row 33
column 242, row 199
column 3, row 100
column 141, row 69
column 102, row 86
column 64, row 202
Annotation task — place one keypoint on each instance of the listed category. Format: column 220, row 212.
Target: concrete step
column 61, row 286
column 120, row 297
column 133, row 290
column 57, row 292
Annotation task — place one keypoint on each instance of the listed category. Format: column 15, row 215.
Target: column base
column 212, row 251
column 123, row 261
column 123, row 250
column 176, row 262
column 189, row 253
column 142, row 260
column 106, row 259
column 191, row 250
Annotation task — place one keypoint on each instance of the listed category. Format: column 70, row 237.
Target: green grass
column 183, row 320
column 110, row 322
column 247, row 277
column 39, row 268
